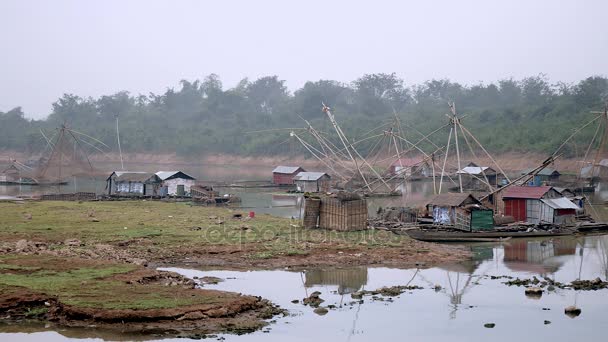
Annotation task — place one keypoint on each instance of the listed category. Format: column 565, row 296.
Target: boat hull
column 442, row 236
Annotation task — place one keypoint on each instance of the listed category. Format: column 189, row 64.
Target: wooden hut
column 408, row 167
column 284, row 175
column 538, row 204
column 461, row 210
column 175, row 183
column 312, row 181
column 344, row 212
column 544, row 176
column 128, row 183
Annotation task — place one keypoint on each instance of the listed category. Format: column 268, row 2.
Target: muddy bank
column 196, row 312
column 164, row 234
column 248, row 256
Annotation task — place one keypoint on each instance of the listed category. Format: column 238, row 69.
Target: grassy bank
column 164, row 233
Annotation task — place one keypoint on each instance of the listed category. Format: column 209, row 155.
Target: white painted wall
column 173, row 183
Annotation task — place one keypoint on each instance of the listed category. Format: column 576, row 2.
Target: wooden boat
column 592, row 227
column 487, row 236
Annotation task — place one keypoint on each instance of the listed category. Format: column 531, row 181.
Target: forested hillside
column 201, row 117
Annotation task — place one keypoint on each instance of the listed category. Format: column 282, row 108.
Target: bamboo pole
column 445, row 160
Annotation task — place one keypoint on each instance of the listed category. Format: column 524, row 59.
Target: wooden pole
column 445, row 160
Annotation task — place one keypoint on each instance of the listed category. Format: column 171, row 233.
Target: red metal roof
column 528, row 192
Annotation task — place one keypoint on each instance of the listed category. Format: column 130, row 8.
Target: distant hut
column 544, row 176
column 10, row 175
column 312, row 181
column 474, row 177
column 175, row 183
column 129, row 183
column 409, row 167
column 284, row 175
column 461, row 210
column 596, row 171
column 538, row 204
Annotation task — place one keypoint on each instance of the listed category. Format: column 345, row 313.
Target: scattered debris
column 572, row 311
column 210, row 280
column 534, row 292
column 313, row 300
column 321, row 311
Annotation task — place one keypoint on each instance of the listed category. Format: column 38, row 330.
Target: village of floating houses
column 471, row 201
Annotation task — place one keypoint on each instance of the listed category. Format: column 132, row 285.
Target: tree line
column 201, row 117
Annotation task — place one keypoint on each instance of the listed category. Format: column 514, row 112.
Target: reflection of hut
column 407, row 167
column 127, row 183
column 284, row 175
column 538, row 204
column 344, row 212
column 544, row 176
column 534, row 256
column 460, row 210
column 175, row 182
column 312, row 181
column 10, row 175
column 349, row 280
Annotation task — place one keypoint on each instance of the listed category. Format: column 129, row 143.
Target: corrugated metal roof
column 164, row 175
column 544, row 172
column 309, row 176
column 132, row 176
column 286, row 169
column 451, row 199
column 559, row 203
column 529, row 192
column 476, row 170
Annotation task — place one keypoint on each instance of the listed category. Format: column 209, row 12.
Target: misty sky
column 92, row 48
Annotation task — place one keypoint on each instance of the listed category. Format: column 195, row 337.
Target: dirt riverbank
column 92, row 263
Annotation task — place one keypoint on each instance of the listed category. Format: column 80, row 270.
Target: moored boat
column 437, row 235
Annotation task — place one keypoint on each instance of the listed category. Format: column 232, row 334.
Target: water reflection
column 348, row 280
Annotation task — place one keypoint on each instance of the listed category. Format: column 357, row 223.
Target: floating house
column 461, row 210
column 175, row 183
column 284, row 175
column 10, row 175
column 129, row 183
column 596, row 171
column 312, row 181
column 408, row 167
column 538, row 204
column 544, row 176
column 475, row 177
